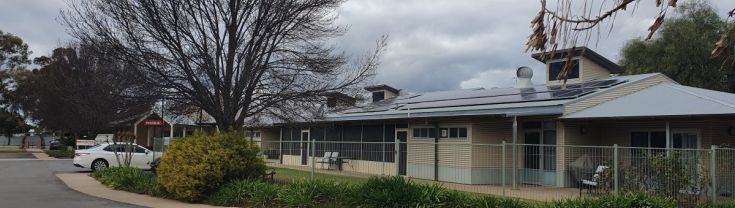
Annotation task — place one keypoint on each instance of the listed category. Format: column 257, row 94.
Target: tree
column 231, row 58
column 11, row 123
column 80, row 90
column 574, row 22
column 681, row 50
column 14, row 52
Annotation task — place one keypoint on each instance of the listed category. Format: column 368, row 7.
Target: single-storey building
column 457, row 136
column 149, row 126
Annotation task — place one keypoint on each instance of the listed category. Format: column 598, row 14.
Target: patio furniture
column 269, row 173
column 593, row 183
column 326, row 159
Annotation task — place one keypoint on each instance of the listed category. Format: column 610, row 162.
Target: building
column 457, row 136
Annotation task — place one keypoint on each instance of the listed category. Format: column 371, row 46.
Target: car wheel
column 99, row 164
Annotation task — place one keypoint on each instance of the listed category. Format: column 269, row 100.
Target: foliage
column 13, row 52
column 94, row 90
column 682, row 50
column 666, row 174
column 12, row 122
column 129, row 179
column 399, row 192
column 60, row 153
column 310, row 193
column 625, row 200
column 199, row 164
column 251, row 192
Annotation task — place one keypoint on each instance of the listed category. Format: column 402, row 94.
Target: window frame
column 549, row 78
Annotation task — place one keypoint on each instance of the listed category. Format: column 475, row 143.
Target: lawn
column 285, row 174
column 11, row 149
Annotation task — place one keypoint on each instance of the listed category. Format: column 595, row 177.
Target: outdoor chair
column 593, row 183
column 268, row 174
column 325, row 159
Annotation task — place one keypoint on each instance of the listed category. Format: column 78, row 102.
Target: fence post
column 616, row 179
column 397, row 155
column 313, row 158
column 713, row 172
column 503, row 166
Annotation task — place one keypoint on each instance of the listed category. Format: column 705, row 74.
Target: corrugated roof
column 665, row 99
column 539, row 100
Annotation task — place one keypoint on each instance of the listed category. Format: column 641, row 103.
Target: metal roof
column 665, row 99
column 539, row 100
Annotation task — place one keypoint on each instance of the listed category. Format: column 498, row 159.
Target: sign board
column 153, row 122
column 86, row 142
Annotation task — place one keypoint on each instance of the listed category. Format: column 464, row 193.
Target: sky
column 433, row 44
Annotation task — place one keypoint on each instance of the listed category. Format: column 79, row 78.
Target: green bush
column 196, row 166
column 626, row 200
column 129, row 179
column 254, row 193
column 388, row 192
column 310, row 193
column 62, row 153
column 399, row 192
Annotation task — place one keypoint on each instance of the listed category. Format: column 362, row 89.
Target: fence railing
column 532, row 171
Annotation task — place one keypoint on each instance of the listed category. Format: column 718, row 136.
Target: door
column 304, row 147
column 401, row 137
column 141, row 158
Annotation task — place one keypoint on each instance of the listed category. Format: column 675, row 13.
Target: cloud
column 434, row 44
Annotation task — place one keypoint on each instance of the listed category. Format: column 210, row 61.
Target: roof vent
column 523, row 77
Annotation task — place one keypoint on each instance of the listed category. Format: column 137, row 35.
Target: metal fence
column 537, row 172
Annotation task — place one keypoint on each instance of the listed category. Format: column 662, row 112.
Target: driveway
column 32, row 183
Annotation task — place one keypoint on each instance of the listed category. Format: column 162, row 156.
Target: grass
column 11, row 149
column 285, row 174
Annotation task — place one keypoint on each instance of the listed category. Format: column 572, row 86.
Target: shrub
column 128, row 179
column 61, row 153
column 388, row 192
column 626, row 200
column 199, row 164
column 240, row 192
column 310, row 193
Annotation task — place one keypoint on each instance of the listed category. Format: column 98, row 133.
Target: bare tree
column 231, row 58
column 569, row 23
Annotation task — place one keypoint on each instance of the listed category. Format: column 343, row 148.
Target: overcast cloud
column 433, row 45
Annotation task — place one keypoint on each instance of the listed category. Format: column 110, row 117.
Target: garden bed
column 61, row 154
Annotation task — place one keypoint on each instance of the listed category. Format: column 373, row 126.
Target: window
column 453, row 133
column 556, row 67
column 540, row 152
column 424, row 133
column 378, row 96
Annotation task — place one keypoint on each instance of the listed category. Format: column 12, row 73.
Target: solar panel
column 470, row 97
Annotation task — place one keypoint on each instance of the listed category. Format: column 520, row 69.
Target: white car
column 103, row 155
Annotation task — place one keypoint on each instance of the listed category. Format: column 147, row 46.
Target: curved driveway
column 33, row 183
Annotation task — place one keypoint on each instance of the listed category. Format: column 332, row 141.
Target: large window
column 556, row 67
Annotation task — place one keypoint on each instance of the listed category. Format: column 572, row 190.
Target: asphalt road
column 32, row 183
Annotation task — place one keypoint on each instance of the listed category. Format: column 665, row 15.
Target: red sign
column 152, row 122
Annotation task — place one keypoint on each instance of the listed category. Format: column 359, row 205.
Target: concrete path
column 84, row 183
column 32, row 183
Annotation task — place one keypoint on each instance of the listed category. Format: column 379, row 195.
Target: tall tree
column 232, row 58
column 14, row 52
column 81, row 90
column 567, row 23
column 681, row 50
